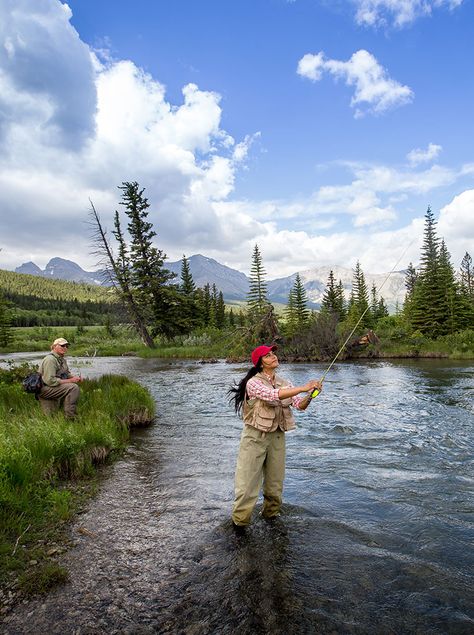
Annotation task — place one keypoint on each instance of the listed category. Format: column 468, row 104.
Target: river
column 376, row 535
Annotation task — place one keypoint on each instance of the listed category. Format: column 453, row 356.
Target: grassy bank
column 92, row 341
column 47, row 467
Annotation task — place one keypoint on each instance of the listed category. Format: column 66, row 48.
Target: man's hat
column 60, row 341
column 260, row 351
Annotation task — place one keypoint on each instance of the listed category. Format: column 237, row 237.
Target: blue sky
column 319, row 130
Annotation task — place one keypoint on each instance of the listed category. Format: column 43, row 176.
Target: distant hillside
column 37, row 301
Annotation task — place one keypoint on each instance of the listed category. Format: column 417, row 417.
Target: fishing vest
column 268, row 416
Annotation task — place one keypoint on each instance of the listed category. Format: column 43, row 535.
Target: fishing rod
column 316, row 392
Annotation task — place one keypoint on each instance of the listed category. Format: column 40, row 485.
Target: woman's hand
column 311, row 385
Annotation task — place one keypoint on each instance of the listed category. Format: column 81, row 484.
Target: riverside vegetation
column 47, row 469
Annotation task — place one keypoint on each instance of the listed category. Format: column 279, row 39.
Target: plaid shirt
column 256, row 389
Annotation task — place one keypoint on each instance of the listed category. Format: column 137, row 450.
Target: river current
column 376, row 535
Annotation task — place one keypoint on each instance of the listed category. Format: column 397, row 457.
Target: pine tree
column 340, row 301
column 257, row 296
column 467, row 276
column 290, row 314
column 374, row 302
column 450, row 295
column 361, row 296
column 220, row 311
column 331, row 302
column 300, row 301
column 410, row 281
column 206, row 304
column 118, row 272
column 187, row 283
column 425, row 309
column 382, row 310
column 190, row 310
column 149, row 277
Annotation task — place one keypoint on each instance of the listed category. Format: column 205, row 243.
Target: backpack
column 33, row 383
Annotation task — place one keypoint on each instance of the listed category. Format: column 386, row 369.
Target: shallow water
column 377, row 530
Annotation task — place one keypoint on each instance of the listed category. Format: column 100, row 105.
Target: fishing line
column 316, row 392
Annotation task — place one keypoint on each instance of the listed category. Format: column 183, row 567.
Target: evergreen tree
column 148, row 274
column 300, row 302
column 187, row 283
column 426, row 305
column 190, row 309
column 290, row 314
column 374, row 302
column 467, row 276
column 257, row 296
column 331, row 302
column 361, row 296
column 340, row 301
column 410, row 281
column 206, row 304
column 118, row 272
column 382, row 310
column 450, row 295
column 220, row 311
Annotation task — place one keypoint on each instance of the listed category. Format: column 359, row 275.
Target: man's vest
column 269, row 415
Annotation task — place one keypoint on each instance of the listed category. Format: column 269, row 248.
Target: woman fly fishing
column 264, row 399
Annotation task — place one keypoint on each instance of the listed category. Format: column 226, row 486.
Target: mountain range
column 235, row 284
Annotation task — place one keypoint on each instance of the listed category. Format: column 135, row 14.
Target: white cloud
column 46, row 76
column 456, row 226
column 398, row 12
column 374, row 89
column 75, row 128
column 423, row 156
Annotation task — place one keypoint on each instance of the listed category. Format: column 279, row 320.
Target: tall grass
column 43, row 459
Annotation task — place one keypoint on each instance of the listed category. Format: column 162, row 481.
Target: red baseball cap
column 260, row 351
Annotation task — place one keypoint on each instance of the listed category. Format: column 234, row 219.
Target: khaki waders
column 50, row 396
column 261, row 458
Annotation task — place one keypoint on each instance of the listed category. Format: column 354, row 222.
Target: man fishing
column 59, row 384
column 264, row 399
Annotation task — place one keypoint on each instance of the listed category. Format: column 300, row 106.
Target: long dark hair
column 237, row 391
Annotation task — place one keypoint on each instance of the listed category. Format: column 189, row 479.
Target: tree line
column 439, row 301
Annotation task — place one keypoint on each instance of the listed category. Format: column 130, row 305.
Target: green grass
column 92, row 341
column 47, row 465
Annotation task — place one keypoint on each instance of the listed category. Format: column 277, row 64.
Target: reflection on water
column 376, row 535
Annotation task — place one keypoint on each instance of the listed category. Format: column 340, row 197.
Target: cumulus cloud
column 423, row 156
column 375, row 91
column 456, row 225
column 398, row 12
column 74, row 127
column 46, row 77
